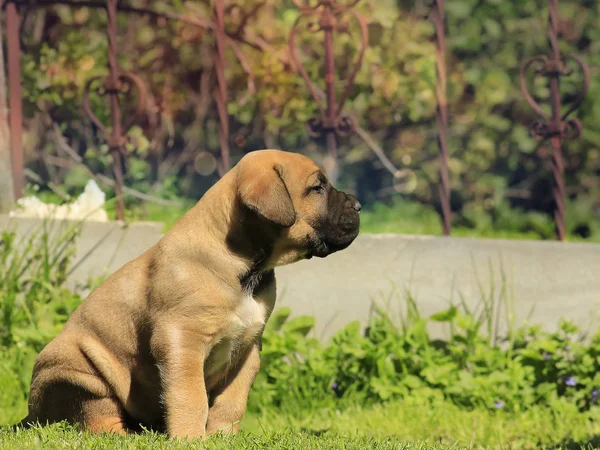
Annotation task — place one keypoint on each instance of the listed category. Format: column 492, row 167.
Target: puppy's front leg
column 229, row 404
column 180, row 355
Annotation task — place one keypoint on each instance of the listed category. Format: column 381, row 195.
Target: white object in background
column 88, row 206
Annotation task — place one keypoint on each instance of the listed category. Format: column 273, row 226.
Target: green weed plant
column 388, row 360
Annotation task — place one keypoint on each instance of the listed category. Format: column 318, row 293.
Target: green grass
column 404, row 217
column 153, row 212
column 415, row 392
column 58, row 438
column 444, row 424
column 407, row 217
column 407, row 425
column 414, row 218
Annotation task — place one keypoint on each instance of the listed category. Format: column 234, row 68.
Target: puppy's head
column 293, row 198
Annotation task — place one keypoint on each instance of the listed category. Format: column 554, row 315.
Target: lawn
column 395, row 425
column 406, row 217
column 390, row 386
column 57, row 438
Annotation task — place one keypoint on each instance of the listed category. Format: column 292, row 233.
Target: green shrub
column 33, row 300
column 410, row 217
column 500, row 221
column 473, row 368
column 34, row 305
column 530, row 367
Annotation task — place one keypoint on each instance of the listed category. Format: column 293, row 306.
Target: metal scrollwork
column 329, row 17
column 127, row 83
column 557, row 126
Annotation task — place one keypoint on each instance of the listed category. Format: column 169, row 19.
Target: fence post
column 14, row 93
column 7, row 199
column 221, row 94
column 331, row 122
column 557, row 126
column 115, row 140
column 442, row 114
column 116, row 83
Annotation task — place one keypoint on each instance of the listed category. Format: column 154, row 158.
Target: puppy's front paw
column 222, row 428
column 190, row 434
column 188, row 427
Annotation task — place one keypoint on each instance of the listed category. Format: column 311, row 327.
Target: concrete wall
column 550, row 280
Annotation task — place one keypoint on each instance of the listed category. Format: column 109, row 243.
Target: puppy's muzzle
column 342, row 225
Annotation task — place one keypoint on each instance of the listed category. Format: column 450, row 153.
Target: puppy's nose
column 357, row 206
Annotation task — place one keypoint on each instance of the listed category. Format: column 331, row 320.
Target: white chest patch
column 247, row 320
column 243, row 325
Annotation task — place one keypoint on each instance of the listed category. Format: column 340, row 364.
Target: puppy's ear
column 262, row 189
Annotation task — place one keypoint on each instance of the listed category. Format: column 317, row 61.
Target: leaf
column 300, row 324
column 278, row 318
column 385, row 13
column 439, row 374
column 458, row 9
column 412, row 381
column 290, row 15
column 492, row 27
column 445, row 316
column 494, row 88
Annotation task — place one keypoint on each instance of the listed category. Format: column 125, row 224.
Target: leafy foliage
column 493, row 162
column 33, row 300
column 531, row 367
column 396, row 369
column 410, row 217
column 34, row 303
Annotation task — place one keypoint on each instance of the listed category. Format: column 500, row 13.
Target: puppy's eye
column 318, row 188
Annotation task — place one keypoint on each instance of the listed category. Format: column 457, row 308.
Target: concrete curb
column 549, row 280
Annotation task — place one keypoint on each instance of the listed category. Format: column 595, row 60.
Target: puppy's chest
column 247, row 319
column 240, row 329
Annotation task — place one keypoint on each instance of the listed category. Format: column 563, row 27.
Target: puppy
column 171, row 340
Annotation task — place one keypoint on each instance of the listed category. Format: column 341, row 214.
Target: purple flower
column 499, row 404
column 595, row 394
column 547, row 356
column 570, row 381
column 567, row 347
column 334, row 386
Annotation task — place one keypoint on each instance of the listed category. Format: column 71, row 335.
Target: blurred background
column 476, row 118
column 230, row 81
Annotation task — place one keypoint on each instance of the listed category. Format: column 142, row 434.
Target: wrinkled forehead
column 301, row 163
column 297, row 170
column 304, row 172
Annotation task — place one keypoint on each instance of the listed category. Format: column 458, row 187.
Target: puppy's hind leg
column 63, row 401
column 104, row 415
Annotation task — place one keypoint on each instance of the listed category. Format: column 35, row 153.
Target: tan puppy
column 171, row 340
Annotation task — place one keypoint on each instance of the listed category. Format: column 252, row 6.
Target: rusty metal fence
column 117, row 84
column 557, row 126
column 328, row 17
